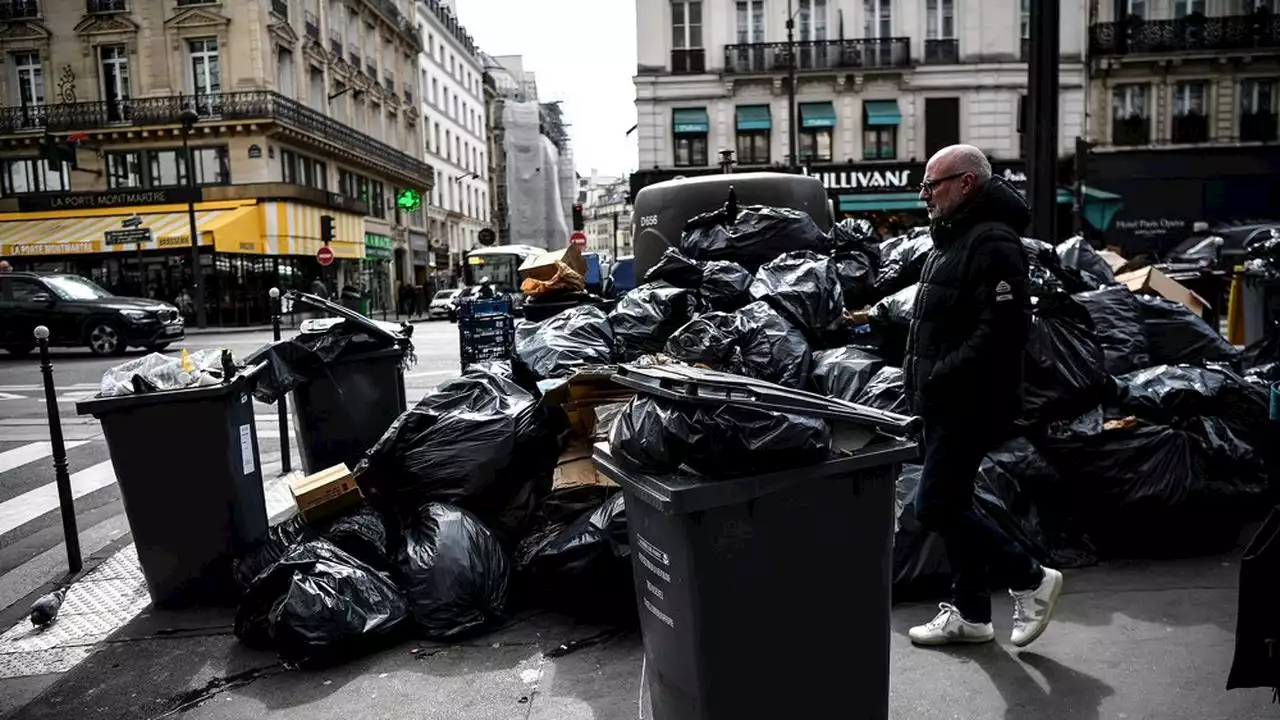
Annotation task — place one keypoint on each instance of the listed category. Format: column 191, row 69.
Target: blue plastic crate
column 474, row 307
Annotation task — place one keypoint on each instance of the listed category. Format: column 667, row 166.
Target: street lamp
column 189, row 118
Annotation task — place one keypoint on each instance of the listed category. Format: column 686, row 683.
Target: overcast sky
column 583, row 53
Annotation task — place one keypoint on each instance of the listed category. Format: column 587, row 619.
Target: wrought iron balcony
column 1192, row 34
column 688, row 62
column 102, row 7
column 1131, row 131
column 252, row 105
column 1190, row 129
column 1258, row 127
column 864, row 54
column 312, row 24
column 941, row 52
column 280, row 8
column 19, row 10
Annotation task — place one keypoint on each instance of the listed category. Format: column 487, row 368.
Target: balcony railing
column 1190, row 129
column 942, row 52
column 252, row 105
column 1135, row 36
column 1131, row 131
column 312, row 24
column 19, row 10
column 688, row 62
column 100, row 7
column 1258, row 127
column 870, row 53
column 280, row 8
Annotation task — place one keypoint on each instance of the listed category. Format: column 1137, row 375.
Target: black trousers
column 979, row 551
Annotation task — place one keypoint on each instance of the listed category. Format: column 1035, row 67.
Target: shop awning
column 690, row 120
column 817, row 115
column 1099, row 207
column 294, row 229
column 754, row 117
column 882, row 112
column 230, row 226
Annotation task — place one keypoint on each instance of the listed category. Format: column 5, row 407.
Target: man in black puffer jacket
column 964, row 374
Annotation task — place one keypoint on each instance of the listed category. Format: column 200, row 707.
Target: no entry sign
column 324, row 256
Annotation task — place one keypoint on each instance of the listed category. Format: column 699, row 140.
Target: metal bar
column 62, row 477
column 791, row 87
column 282, row 402
column 1042, row 94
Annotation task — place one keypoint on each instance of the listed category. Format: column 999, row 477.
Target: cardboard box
column 1115, row 260
column 544, row 267
column 576, row 469
column 1153, row 282
column 325, row 493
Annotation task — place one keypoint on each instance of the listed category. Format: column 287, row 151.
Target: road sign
column 132, row 235
column 486, row 236
column 324, row 256
column 131, row 222
column 578, row 238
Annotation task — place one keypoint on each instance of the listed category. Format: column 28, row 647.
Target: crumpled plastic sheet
column 1117, row 320
column 454, row 572
column 154, row 371
column 646, row 316
column 886, row 390
column 843, row 372
column 564, row 343
column 1077, row 254
column 1176, row 335
column 756, row 235
column 716, row 440
column 754, row 341
column 805, row 289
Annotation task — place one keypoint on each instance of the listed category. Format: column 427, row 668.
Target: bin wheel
column 20, row 350
column 105, row 338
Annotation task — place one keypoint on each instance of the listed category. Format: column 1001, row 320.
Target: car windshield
column 446, row 294
column 70, row 287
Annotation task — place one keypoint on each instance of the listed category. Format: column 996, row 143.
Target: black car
column 80, row 313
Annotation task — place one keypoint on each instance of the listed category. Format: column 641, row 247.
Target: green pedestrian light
column 408, row 199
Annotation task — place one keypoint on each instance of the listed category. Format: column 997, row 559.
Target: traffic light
column 578, row 222
column 326, row 229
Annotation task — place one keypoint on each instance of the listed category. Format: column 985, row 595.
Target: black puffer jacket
column 972, row 315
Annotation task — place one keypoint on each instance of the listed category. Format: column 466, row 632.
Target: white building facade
column 880, row 86
column 454, row 126
column 606, row 213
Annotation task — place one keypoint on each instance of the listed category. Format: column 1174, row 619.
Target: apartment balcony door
column 114, row 65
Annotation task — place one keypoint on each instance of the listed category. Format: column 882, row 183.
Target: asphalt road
column 31, row 550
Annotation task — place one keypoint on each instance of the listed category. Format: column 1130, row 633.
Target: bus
column 501, row 264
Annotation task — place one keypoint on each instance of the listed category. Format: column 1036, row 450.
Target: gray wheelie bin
column 766, row 596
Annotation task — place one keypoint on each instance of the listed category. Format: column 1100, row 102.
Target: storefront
column 1166, row 192
column 375, row 277
column 246, row 248
column 421, row 258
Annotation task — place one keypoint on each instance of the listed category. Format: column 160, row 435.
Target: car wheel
column 20, row 350
column 105, row 339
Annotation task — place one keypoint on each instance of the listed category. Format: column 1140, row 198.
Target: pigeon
column 45, row 610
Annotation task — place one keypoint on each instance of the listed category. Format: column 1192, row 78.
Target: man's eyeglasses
column 927, row 187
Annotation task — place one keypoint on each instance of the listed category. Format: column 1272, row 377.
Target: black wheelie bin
column 766, row 596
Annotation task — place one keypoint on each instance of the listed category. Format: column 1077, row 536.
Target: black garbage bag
column 1077, row 254
column 288, row 365
column 751, row 238
column 885, row 391
column 454, row 572
column 646, row 317
column 1170, row 394
column 320, row 605
column 1063, row 366
column 1175, row 335
column 716, row 440
column 843, row 372
column 1256, row 664
column 279, row 540
column 479, row 441
column 675, row 269
column 582, row 568
column 896, row 309
column 1264, row 351
column 1042, row 261
column 1117, row 320
column 360, row 532
column 755, row 341
column 920, row 565
column 725, row 285
column 856, row 271
column 562, row 344
column 1263, row 375
column 805, row 290
column 902, row 260
column 852, row 233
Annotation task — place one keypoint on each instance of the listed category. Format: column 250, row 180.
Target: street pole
column 282, row 402
column 793, row 137
column 1042, row 92
column 62, row 478
column 615, row 236
column 189, row 118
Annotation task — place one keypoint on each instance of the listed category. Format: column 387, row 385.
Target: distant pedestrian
column 319, row 289
column 5, row 267
column 964, row 375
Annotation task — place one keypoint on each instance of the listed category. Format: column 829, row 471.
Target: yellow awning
column 82, row 232
column 294, row 229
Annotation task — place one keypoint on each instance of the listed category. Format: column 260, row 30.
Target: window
column 815, row 144
column 435, row 91
column 941, row 123
column 878, row 19
column 1130, row 122
column 206, row 74
column 25, row 290
column 315, row 89
column 690, row 127
column 687, row 53
column 813, row 20
column 32, row 175
column 940, row 45
column 1183, row 8
column 114, row 72
column 124, row 170
column 377, row 199
column 338, row 106
column 754, row 125
column 1190, row 120
column 1131, row 8
column 435, row 146
column 285, row 73
column 1258, row 110
column 30, row 77
column 168, row 168
column 880, row 120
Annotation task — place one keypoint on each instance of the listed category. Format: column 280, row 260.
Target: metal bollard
column 282, row 403
column 70, row 534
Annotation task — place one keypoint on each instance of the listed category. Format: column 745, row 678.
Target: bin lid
column 373, row 327
column 99, row 407
column 710, row 387
column 681, row 494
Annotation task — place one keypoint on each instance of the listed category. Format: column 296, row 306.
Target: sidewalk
column 1131, row 640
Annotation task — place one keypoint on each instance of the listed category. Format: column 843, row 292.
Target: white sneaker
column 949, row 627
column 1032, row 609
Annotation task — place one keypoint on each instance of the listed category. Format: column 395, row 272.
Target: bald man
column 964, row 376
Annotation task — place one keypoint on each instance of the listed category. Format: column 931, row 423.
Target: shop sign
column 1153, row 227
column 377, row 247
column 868, row 179
column 419, row 241
column 173, row 241
column 44, row 248
column 112, row 199
column 137, row 236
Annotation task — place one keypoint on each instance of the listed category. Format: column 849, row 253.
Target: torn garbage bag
column 754, row 341
column 751, row 237
column 1177, row 335
column 319, row 605
column 1117, row 321
column 453, row 571
column 843, row 372
column 1063, row 373
column 561, row 344
column 717, row 441
column 1077, row 254
column 645, row 317
column 479, row 441
column 886, row 390
column 360, row 532
column 901, row 261
column 804, row 288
